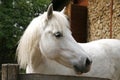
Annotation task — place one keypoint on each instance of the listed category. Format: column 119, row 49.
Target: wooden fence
column 11, row 72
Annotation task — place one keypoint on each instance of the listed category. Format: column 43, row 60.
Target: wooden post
column 10, row 71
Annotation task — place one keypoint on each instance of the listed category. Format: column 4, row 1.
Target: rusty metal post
column 111, row 15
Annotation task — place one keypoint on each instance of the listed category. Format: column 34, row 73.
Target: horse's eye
column 58, row 34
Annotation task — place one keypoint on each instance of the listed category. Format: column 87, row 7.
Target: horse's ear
column 63, row 11
column 50, row 11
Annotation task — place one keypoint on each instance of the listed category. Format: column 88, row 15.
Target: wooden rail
column 11, row 72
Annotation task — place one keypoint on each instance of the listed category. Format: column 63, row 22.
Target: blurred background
column 15, row 15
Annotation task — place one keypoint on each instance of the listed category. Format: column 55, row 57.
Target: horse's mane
column 29, row 42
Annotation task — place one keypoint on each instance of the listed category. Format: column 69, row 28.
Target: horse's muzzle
column 84, row 68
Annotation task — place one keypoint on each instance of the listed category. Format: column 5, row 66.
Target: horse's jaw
column 50, row 67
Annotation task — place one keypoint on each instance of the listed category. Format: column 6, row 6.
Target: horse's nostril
column 88, row 62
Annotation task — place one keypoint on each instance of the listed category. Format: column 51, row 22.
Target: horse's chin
column 79, row 73
column 84, row 71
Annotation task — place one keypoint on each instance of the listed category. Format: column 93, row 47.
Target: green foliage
column 15, row 15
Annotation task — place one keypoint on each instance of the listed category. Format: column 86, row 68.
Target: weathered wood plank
column 55, row 77
column 10, row 71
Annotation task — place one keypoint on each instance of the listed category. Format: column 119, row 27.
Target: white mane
column 27, row 42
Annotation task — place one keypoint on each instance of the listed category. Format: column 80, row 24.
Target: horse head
column 57, row 43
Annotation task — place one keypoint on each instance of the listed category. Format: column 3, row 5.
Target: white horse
column 48, row 47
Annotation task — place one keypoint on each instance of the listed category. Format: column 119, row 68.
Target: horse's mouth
column 81, row 70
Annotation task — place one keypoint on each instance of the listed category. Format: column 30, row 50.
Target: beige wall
column 99, row 19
